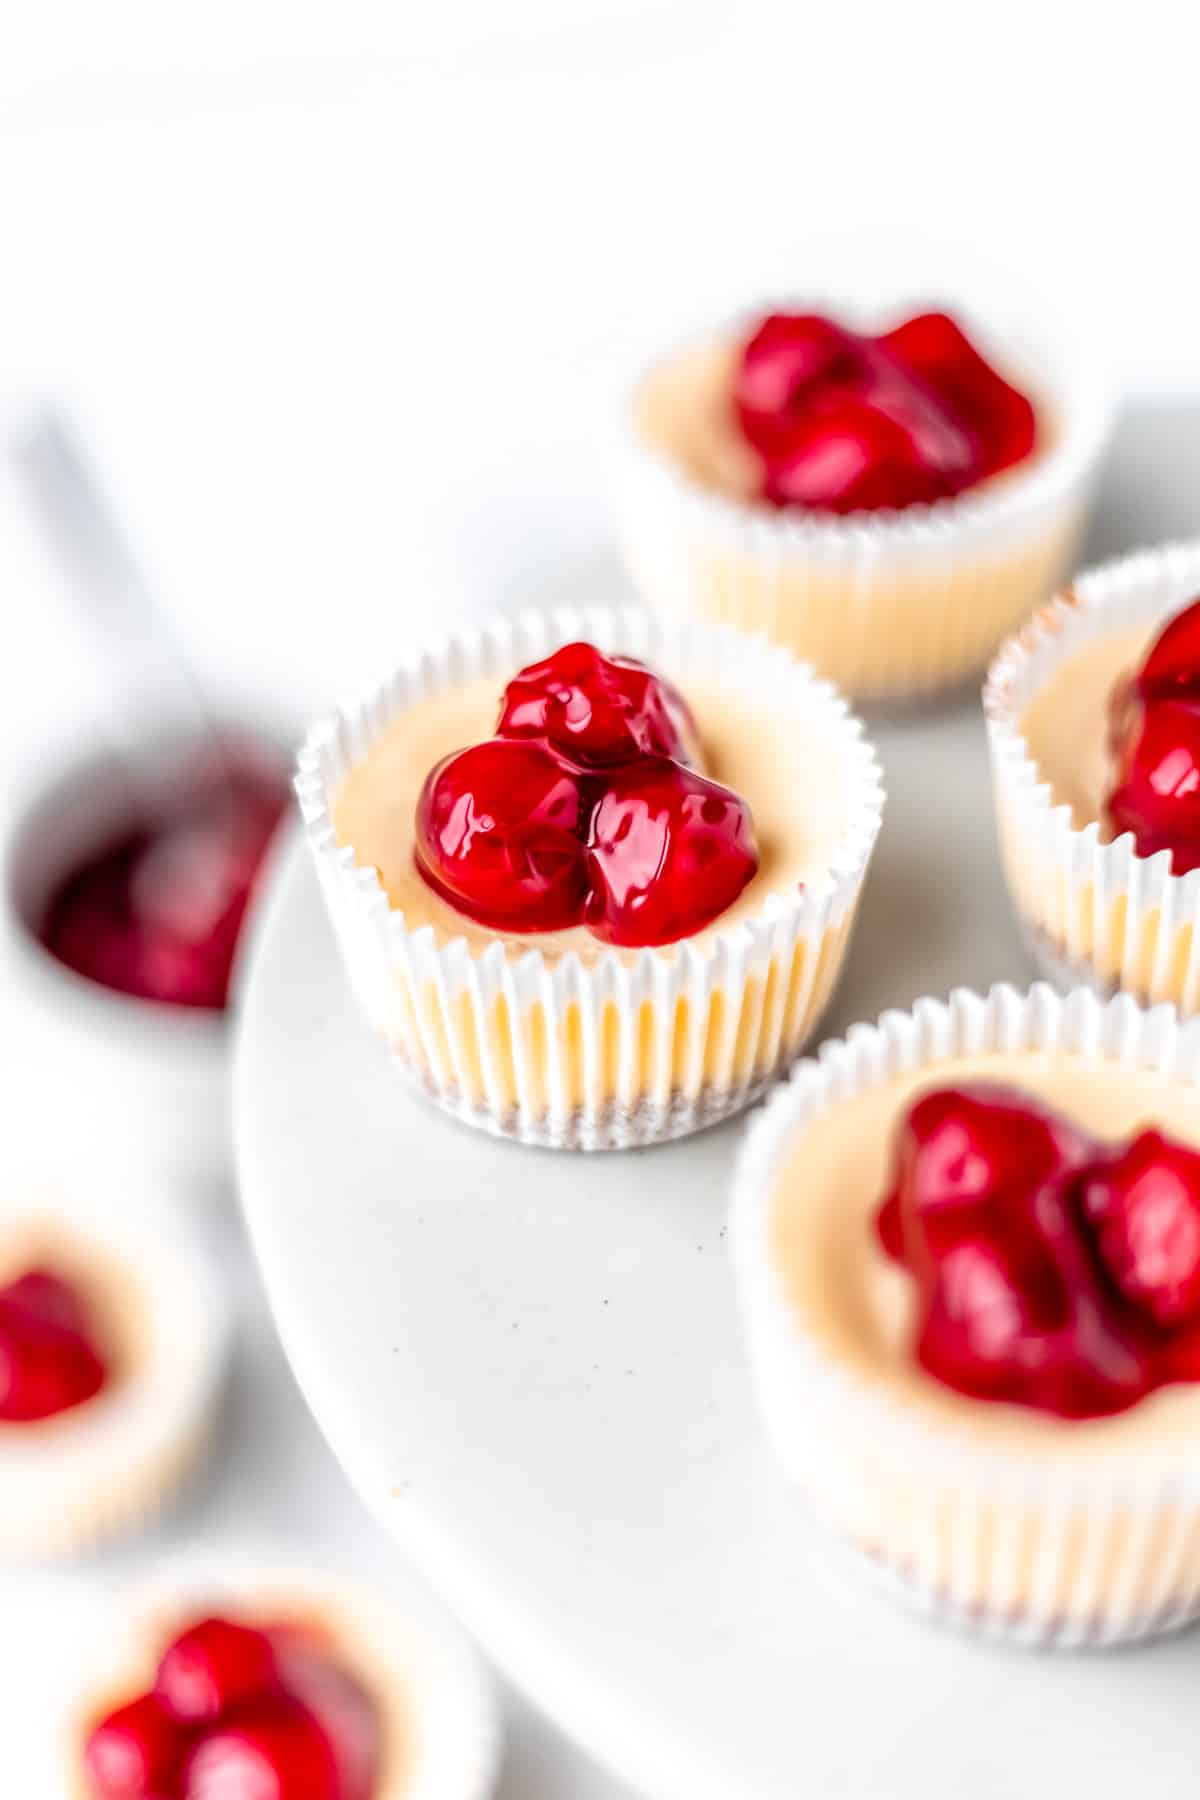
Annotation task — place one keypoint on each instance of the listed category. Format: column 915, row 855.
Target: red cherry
column 945, row 445
column 271, row 1750
column 1172, row 667
column 962, row 1147
column 848, row 423
column 213, row 1666
column 1015, row 1314
column 984, row 1212
column 991, row 1306
column 48, row 1361
column 851, row 457
column 1144, row 1207
column 135, row 1752
column 889, row 1227
column 1157, row 795
column 668, row 851
column 1180, row 1357
column 788, row 359
column 341, row 1706
column 934, row 347
column 499, row 835
column 50, row 1299
column 597, row 710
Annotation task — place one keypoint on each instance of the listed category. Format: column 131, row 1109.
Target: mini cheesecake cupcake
column 112, row 1348
column 593, row 876
column 968, row 1252
column 1093, row 717
column 888, row 498
column 240, row 1683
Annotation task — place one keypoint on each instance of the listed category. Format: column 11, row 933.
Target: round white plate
column 530, row 1365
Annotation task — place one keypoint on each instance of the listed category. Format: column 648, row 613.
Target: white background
column 345, row 298
column 345, row 295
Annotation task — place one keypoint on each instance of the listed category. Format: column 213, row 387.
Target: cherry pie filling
column 586, row 809
column 846, row 422
column 1154, row 739
column 157, row 913
column 235, row 1711
column 1053, row 1270
column 50, row 1357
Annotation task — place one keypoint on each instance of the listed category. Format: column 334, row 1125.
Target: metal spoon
column 153, row 697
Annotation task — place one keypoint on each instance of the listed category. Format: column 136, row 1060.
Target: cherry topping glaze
column 1171, row 670
column 212, row 1666
column 49, row 1359
column 584, row 811
column 1144, row 1208
column 157, row 913
column 787, row 362
column 1052, row 1270
column 851, row 457
column 661, row 834
column 341, row 1706
column 500, row 835
column 136, row 1752
column 845, row 422
column 1154, row 741
column 933, row 347
column 597, row 710
column 1157, row 791
column 273, row 1749
column 238, row 1713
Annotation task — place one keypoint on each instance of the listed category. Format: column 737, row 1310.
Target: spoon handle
column 151, row 692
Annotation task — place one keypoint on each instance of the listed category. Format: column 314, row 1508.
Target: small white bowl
column 135, row 1074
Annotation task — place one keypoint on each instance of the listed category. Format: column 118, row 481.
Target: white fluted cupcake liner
column 1027, row 1542
column 112, row 1466
column 896, row 607
column 628, row 1047
column 441, row 1723
column 1091, row 910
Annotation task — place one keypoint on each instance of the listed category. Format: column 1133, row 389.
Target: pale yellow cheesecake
column 559, row 1036
column 1068, row 1529
column 109, row 1464
column 281, row 1668
column 894, row 606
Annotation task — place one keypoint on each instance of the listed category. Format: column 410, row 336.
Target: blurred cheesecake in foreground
column 112, row 1351
column 288, row 1687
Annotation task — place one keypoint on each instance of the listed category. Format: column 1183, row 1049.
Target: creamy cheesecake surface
column 1066, row 723
column 859, row 1306
column 796, row 783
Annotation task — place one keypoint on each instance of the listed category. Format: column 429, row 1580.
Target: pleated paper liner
column 1076, row 1533
column 896, row 607
column 1092, row 910
column 624, row 1047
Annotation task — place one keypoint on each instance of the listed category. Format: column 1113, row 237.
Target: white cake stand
column 530, row 1365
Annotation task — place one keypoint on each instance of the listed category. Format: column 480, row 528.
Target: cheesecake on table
column 597, row 895
column 887, row 497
